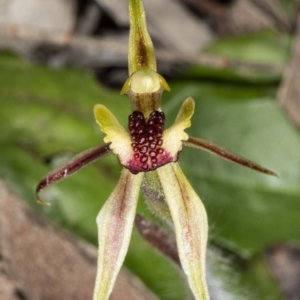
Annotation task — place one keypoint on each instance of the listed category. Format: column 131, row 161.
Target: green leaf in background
column 47, row 114
column 259, row 47
column 290, row 7
column 252, row 58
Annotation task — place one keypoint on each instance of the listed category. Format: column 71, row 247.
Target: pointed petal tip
column 186, row 112
column 164, row 84
column 42, row 202
column 191, row 226
column 208, row 146
column 126, row 86
column 78, row 162
column 115, row 222
column 272, row 173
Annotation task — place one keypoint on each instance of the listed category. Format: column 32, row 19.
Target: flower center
column 147, row 140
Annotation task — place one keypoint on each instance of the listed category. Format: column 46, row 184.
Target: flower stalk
column 148, row 153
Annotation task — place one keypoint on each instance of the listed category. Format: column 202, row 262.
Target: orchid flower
column 149, row 155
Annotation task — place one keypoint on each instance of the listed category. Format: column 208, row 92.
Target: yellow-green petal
column 190, row 222
column 175, row 135
column 116, row 135
column 140, row 51
column 115, row 222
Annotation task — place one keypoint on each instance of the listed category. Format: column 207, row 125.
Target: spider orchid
column 149, row 155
